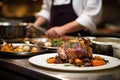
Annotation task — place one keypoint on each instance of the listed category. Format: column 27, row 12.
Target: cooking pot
column 107, row 46
column 116, row 50
column 11, row 31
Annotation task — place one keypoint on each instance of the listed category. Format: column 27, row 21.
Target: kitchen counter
column 21, row 69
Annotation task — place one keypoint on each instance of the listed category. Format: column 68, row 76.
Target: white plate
column 54, row 48
column 40, row 60
column 38, row 40
column 42, row 40
column 21, row 44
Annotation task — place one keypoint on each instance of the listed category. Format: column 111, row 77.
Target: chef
column 68, row 17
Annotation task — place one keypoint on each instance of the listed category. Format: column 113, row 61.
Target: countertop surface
column 22, row 66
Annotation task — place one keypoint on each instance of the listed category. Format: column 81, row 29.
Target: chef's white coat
column 88, row 11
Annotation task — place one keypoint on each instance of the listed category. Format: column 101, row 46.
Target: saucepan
column 11, row 31
column 107, row 46
column 116, row 50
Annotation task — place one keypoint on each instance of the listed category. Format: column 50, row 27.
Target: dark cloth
column 62, row 14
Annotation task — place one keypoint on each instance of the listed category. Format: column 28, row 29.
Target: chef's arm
column 43, row 15
column 72, row 27
column 91, row 15
column 40, row 21
column 88, row 19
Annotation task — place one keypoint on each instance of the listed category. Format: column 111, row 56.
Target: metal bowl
column 116, row 50
column 106, row 46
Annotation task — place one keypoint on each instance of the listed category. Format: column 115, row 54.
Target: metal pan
column 22, row 54
column 107, row 46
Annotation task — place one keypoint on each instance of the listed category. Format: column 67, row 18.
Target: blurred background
column 19, row 9
column 17, row 13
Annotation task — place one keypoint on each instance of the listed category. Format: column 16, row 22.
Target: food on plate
column 54, row 42
column 34, row 49
column 48, row 44
column 98, row 62
column 21, row 48
column 7, row 48
column 51, row 60
column 77, row 52
column 27, row 42
column 26, row 48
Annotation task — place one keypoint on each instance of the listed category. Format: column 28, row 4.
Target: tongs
column 4, row 42
column 39, row 31
column 43, row 30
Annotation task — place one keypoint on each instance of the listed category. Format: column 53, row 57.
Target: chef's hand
column 55, row 32
column 31, row 30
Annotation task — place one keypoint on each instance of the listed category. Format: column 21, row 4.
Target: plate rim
column 84, row 68
column 53, row 48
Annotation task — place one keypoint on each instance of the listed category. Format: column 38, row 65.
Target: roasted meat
column 77, row 48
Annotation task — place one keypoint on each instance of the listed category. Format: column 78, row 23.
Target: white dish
column 40, row 60
column 21, row 44
column 38, row 40
column 53, row 48
column 42, row 40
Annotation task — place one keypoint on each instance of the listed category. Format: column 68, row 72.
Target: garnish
column 67, row 65
column 56, row 42
column 71, row 44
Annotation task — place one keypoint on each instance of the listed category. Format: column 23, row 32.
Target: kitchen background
column 20, row 12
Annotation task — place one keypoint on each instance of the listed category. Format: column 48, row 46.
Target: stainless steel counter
column 21, row 69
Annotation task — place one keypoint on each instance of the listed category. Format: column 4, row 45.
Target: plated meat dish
column 77, row 52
